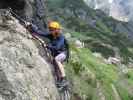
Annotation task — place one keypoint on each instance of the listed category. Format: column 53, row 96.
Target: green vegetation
column 129, row 75
column 85, row 72
column 123, row 93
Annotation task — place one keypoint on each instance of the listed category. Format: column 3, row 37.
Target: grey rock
column 24, row 74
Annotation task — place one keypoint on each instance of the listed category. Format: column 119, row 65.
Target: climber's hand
column 28, row 26
column 46, row 46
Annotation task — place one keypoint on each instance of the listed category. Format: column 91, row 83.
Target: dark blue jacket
column 56, row 45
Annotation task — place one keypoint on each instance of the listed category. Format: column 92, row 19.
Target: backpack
column 67, row 49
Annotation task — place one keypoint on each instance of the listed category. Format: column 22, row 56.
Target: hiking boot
column 62, row 83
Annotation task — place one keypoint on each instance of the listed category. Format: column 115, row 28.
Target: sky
column 110, row 1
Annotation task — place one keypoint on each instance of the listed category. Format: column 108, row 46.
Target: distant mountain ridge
column 118, row 9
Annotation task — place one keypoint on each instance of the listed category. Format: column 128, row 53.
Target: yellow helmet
column 54, row 24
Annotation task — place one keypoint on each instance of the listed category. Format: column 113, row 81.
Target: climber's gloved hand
column 47, row 46
column 28, row 26
column 50, row 47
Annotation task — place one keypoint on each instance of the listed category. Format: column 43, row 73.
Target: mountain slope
column 94, row 79
column 25, row 75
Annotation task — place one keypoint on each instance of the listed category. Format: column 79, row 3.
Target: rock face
column 24, row 74
column 31, row 10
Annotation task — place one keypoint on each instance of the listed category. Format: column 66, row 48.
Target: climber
column 57, row 46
